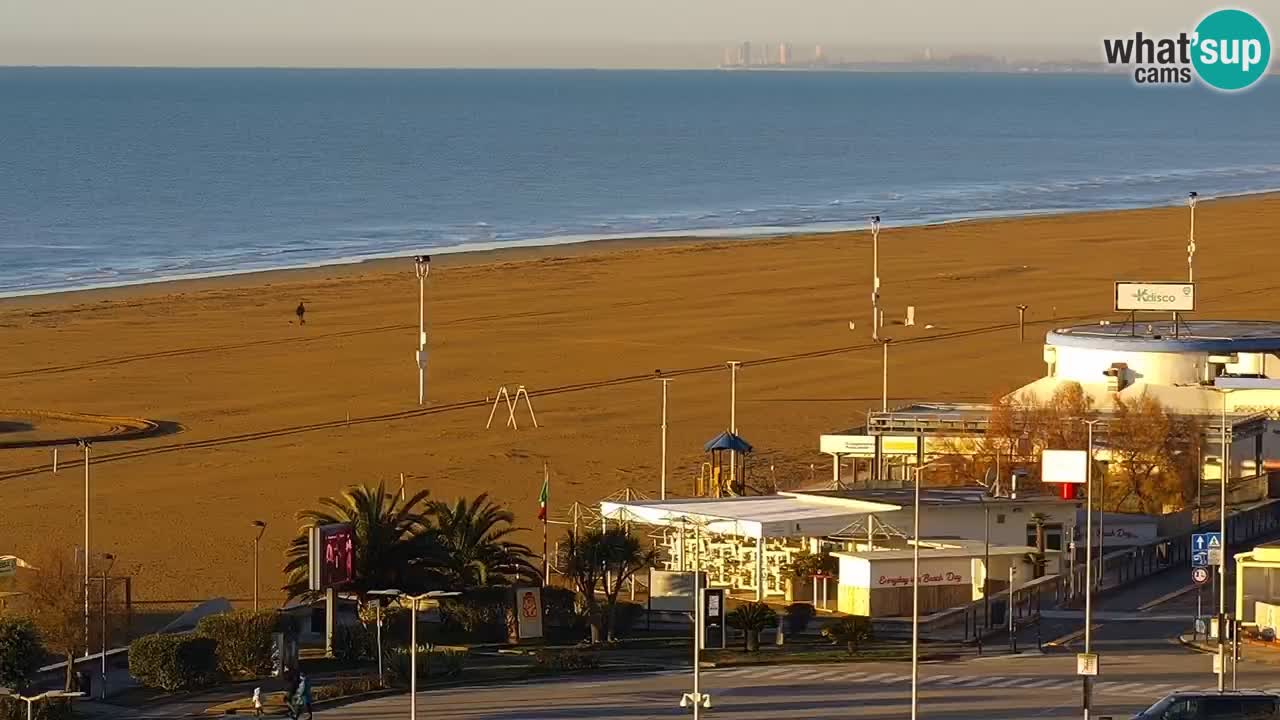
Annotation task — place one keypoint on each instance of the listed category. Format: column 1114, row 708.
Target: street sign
column 1201, row 627
column 1206, row 549
column 1200, row 575
column 1087, row 664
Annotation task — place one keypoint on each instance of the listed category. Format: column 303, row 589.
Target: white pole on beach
column 733, row 418
column 87, row 448
column 884, row 376
column 875, row 277
column 663, row 491
column 1191, row 237
column 422, row 266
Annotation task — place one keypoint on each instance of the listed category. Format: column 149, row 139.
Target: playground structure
column 726, row 449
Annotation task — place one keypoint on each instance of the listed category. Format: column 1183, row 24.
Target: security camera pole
column 262, row 528
column 422, row 266
column 1022, row 316
column 1191, row 237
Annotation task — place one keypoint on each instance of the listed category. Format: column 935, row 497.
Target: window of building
column 999, row 518
column 1052, row 535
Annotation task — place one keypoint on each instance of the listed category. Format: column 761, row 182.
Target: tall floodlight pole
column 1088, row 568
column 915, row 595
column 413, row 640
column 733, row 419
column 663, row 490
column 422, row 267
column 1191, row 237
column 696, row 698
column 875, row 277
column 88, row 448
column 262, row 528
column 1225, row 464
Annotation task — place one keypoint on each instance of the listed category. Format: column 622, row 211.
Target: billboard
column 899, row 444
column 1064, row 466
column 1168, row 296
column 332, row 556
column 851, row 445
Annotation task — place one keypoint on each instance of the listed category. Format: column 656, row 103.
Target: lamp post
column 262, row 528
column 663, row 490
column 87, row 446
column 875, row 277
column 413, row 637
column 1225, row 465
column 378, row 623
column 422, row 267
column 106, row 571
column 915, row 593
column 697, row 698
column 32, row 700
column 1088, row 568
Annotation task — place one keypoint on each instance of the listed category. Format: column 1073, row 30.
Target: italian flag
column 542, row 498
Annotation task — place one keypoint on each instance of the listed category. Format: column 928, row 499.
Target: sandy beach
column 257, row 406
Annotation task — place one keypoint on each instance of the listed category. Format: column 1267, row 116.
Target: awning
column 763, row 516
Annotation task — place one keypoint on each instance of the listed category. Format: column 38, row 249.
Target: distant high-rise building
column 744, row 54
column 728, row 57
column 784, row 54
column 818, row 57
column 928, row 54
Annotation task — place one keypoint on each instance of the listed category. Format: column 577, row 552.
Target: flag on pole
column 544, row 496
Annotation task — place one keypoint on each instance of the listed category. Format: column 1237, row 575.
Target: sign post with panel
column 1155, row 297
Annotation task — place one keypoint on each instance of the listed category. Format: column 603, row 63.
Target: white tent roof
column 762, row 516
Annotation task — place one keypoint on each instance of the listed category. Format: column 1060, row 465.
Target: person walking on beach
column 301, row 312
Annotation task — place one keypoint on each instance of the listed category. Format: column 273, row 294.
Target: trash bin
column 84, row 683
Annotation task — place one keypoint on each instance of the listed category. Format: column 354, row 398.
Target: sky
column 562, row 33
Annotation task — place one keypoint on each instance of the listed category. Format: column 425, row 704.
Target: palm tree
column 606, row 560
column 395, row 545
column 476, row 551
column 751, row 618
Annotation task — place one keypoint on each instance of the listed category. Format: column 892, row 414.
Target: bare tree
column 55, row 592
column 1154, row 455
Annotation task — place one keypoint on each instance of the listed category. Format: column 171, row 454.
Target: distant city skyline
column 562, row 33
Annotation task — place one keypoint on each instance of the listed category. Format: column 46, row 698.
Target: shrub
column 345, row 687
column 20, row 652
column 432, row 662
column 52, row 709
column 562, row 621
column 174, row 662
column 244, row 641
column 751, row 618
column 353, row 643
column 569, row 660
column 625, row 617
column 798, row 616
column 849, row 631
column 480, row 614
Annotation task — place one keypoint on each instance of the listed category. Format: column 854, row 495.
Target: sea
column 119, row 176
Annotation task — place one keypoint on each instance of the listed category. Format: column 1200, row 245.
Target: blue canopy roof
column 727, row 441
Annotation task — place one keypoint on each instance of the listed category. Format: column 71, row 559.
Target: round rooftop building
column 1162, row 353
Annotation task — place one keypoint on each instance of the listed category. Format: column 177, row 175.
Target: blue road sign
column 1199, row 558
column 1206, row 541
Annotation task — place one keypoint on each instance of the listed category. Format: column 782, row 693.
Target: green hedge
column 174, row 662
column 480, row 615
column 20, row 652
column 244, row 641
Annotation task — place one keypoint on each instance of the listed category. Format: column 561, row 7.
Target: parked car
column 1230, row 705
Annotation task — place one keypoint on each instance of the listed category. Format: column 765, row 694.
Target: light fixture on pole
column 413, row 637
column 262, row 528
column 875, row 277
column 663, row 486
column 1088, row 569
column 106, row 571
column 1191, row 236
column 32, row 700
column 915, row 592
column 422, row 267
column 1224, row 462
column 87, row 446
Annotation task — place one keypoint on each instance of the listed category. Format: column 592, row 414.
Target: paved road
column 1029, row 686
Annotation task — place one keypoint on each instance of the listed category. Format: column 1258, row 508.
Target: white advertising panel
column 1064, row 466
column 852, row 445
column 1166, row 296
column 899, row 444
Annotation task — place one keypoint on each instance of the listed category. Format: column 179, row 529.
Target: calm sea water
column 122, row 175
